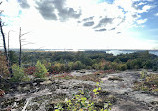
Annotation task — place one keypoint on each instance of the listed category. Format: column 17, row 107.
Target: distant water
column 110, row 51
column 117, row 52
column 154, row 52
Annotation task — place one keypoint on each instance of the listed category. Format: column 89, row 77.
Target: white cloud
column 124, row 5
column 144, row 0
column 141, row 3
column 156, row 14
column 149, row 0
column 142, row 21
column 146, row 8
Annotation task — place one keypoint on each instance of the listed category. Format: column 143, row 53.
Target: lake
column 117, row 52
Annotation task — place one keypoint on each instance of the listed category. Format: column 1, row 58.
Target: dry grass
column 96, row 77
column 150, row 83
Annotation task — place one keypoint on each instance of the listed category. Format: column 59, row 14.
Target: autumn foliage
column 3, row 66
column 2, row 93
column 30, row 70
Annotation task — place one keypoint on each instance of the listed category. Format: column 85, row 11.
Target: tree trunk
column 8, row 50
column 20, row 47
column 5, row 49
column 8, row 42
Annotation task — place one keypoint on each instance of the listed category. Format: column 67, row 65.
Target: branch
column 1, row 11
column 2, row 23
column 27, row 43
column 24, row 34
column 11, row 31
column 23, row 39
column 28, row 100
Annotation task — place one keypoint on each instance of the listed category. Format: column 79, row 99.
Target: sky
column 81, row 24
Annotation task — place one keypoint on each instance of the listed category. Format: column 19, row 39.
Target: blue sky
column 88, row 24
column 150, row 30
column 108, row 1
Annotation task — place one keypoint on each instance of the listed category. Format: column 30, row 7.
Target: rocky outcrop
column 42, row 95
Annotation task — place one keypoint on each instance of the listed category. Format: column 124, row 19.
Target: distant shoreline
column 110, row 51
column 16, row 49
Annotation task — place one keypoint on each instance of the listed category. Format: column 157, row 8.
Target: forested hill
column 99, row 60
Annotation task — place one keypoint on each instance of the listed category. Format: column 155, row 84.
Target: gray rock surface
column 38, row 95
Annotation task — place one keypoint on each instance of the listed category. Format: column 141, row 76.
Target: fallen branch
column 28, row 100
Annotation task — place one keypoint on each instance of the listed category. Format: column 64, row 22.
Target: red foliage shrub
column 64, row 75
column 30, row 70
column 2, row 93
column 3, row 66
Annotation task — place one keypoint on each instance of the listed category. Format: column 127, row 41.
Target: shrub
column 147, row 64
column 77, row 65
column 30, row 70
column 95, row 66
column 134, row 64
column 47, row 65
column 58, row 67
column 122, row 67
column 40, row 71
column 88, row 67
column 18, row 74
column 148, row 83
column 155, row 68
column 3, row 66
column 83, row 102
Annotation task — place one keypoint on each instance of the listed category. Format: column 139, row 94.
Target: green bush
column 155, row 68
column 88, row 67
column 70, row 66
column 58, row 67
column 77, row 65
column 40, row 71
column 148, row 64
column 95, row 66
column 18, row 74
column 134, row 64
column 122, row 67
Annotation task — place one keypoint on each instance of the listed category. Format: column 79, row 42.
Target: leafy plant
column 30, row 70
column 148, row 83
column 40, row 71
column 143, row 74
column 81, row 102
column 18, row 74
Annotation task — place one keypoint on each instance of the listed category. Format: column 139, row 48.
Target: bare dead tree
column 5, row 48
column 9, row 41
column 3, row 36
column 8, row 48
column 20, row 45
column 4, row 43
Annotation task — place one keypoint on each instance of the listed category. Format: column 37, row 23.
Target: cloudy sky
column 82, row 24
